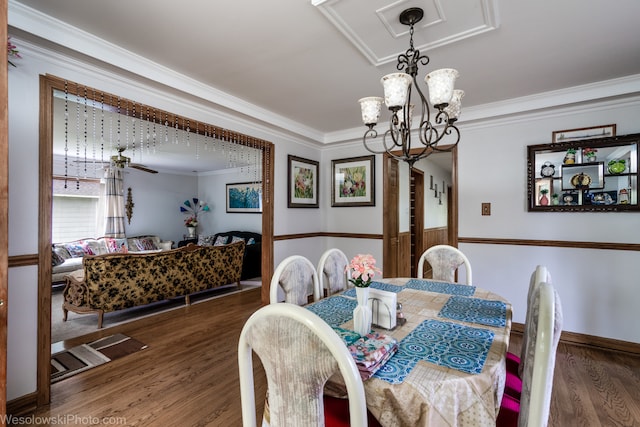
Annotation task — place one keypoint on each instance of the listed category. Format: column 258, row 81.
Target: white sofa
column 67, row 256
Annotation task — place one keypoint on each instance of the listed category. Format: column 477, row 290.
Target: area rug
column 86, row 356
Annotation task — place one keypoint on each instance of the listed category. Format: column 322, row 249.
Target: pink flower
column 363, row 268
column 12, row 51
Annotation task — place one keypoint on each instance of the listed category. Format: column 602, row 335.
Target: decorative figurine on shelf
column 544, row 200
column 570, row 156
column 590, row 154
column 568, row 199
column 616, row 166
column 547, row 170
column 623, row 197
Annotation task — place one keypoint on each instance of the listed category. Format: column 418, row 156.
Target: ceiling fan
column 122, row 161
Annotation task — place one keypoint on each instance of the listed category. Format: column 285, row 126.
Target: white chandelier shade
column 371, row 107
column 440, row 83
column 455, row 104
column 396, row 88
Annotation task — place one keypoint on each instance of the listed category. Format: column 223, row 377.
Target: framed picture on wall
column 244, row 197
column 353, row 181
column 303, row 181
column 583, row 133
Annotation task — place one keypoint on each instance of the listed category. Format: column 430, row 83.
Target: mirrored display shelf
column 599, row 174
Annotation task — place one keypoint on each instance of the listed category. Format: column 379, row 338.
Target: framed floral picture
column 244, row 197
column 303, row 183
column 353, row 181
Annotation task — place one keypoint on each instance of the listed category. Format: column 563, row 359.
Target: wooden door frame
column 390, row 216
column 390, row 213
column 47, row 86
column 417, row 225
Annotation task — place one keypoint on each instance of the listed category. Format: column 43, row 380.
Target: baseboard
column 590, row 341
column 23, row 405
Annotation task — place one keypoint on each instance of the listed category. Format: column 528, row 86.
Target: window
column 76, row 210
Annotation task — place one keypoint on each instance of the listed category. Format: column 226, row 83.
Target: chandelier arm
column 449, row 130
column 371, row 134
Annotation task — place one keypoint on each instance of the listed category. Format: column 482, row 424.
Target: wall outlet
column 486, row 209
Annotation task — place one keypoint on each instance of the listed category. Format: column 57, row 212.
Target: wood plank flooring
column 188, row 376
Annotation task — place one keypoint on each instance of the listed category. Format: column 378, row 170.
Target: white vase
column 191, row 232
column 362, row 312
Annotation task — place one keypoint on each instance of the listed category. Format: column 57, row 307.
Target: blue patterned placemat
column 475, row 310
column 334, row 310
column 455, row 346
column 441, row 287
column 376, row 285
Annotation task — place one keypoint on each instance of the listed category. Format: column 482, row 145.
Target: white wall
column 157, row 199
column 212, row 189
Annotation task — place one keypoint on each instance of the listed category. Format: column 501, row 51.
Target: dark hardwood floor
column 188, row 376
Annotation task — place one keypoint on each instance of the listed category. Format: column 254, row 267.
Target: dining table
column 449, row 368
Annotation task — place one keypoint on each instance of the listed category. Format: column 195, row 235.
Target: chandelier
column 397, row 97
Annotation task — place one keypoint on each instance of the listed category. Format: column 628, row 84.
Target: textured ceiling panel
column 374, row 28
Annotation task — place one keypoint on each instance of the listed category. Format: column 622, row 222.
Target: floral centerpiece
column 363, row 268
column 191, row 221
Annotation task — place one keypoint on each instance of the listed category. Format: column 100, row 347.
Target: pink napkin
column 371, row 352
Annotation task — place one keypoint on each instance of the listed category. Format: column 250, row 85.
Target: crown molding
column 56, row 31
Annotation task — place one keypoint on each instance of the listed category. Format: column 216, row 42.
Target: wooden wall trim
column 608, row 344
column 327, row 234
column 23, row 405
column 554, row 243
column 22, row 260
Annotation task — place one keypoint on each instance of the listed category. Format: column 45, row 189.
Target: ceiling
column 303, row 64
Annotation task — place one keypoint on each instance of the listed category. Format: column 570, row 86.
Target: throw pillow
column 146, row 244
column 86, row 247
column 62, row 252
column 251, row 241
column 75, row 250
column 116, row 245
column 235, row 239
column 56, row 259
column 205, row 240
column 220, row 241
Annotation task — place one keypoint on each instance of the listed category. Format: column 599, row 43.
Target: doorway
column 401, row 242
column 49, row 84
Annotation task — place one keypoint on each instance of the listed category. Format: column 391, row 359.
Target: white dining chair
column 515, row 363
column 445, row 261
column 299, row 352
column 532, row 410
column 293, row 281
column 333, row 273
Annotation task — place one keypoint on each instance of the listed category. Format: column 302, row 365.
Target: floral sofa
column 117, row 281
column 67, row 257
